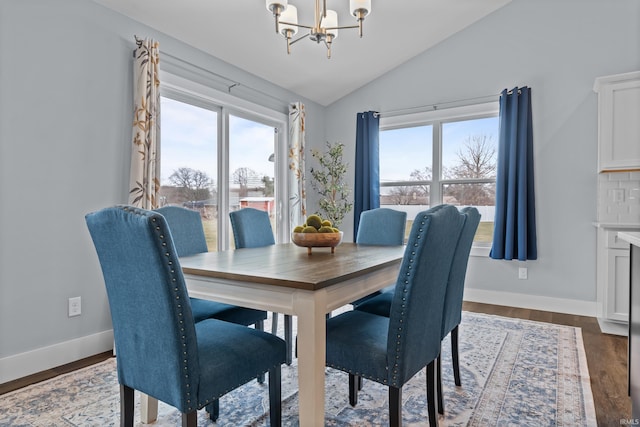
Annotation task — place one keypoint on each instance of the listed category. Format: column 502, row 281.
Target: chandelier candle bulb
column 289, row 24
column 330, row 26
column 276, row 7
column 289, row 20
column 330, row 23
column 360, row 9
column 359, row 6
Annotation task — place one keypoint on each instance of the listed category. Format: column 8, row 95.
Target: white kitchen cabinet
column 618, row 123
column 618, row 294
column 612, row 269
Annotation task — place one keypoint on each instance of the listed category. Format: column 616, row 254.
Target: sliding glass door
column 216, row 159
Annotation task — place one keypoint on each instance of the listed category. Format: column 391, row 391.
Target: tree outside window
column 441, row 160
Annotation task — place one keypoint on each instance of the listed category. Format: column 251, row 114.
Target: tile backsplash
column 619, row 197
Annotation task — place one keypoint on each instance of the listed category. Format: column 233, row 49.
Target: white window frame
column 190, row 92
column 436, row 118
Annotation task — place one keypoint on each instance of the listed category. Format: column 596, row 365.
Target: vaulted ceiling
column 242, row 33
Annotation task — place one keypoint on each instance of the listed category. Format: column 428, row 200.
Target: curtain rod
column 449, row 104
column 230, row 83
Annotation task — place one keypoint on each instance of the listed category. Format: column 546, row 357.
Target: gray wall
column 65, row 131
column 557, row 48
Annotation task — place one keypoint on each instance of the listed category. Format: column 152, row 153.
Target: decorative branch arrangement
column 328, row 181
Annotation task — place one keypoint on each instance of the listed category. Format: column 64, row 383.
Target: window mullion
column 436, row 185
column 281, row 185
column 223, row 179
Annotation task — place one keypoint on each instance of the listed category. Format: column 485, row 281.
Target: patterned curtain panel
column 144, row 179
column 297, row 195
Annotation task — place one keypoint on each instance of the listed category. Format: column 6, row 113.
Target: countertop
column 616, row 226
column 631, row 237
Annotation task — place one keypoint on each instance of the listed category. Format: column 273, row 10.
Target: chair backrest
column 186, row 229
column 251, row 228
column 455, row 288
column 152, row 322
column 416, row 311
column 381, row 226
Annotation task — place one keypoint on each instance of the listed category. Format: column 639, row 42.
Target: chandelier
column 325, row 25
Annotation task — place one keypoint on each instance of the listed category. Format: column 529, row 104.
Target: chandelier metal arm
column 342, row 27
column 299, row 25
column 304, row 36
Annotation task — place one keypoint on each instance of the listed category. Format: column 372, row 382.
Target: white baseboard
column 534, row 302
column 41, row 359
column 613, row 328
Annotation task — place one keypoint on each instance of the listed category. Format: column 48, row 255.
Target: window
column 188, row 163
column 251, row 167
column 444, row 156
column 218, row 156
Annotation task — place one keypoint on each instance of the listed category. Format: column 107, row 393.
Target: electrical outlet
column 75, row 306
column 522, row 273
column 618, row 195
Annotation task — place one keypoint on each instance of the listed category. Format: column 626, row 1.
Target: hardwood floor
column 54, row 372
column 606, row 357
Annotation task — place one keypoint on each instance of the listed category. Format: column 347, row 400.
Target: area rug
column 514, row 373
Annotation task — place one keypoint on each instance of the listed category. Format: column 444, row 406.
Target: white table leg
column 310, row 308
column 148, row 408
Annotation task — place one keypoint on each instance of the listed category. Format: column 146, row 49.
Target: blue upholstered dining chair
column 452, row 315
column 391, row 350
column 161, row 351
column 252, row 229
column 189, row 239
column 380, row 227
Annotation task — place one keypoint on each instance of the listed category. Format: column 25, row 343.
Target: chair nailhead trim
column 369, row 377
column 405, row 290
column 172, row 271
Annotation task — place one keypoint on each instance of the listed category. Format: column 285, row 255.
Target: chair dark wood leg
column 126, row 406
column 275, row 397
column 439, row 384
column 274, row 323
column 454, row 356
column 288, row 337
column 395, row 407
column 213, row 409
column 431, row 394
column 353, row 389
column 359, row 383
column 190, row 419
column 260, row 326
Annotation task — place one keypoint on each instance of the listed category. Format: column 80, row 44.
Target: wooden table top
column 289, row 265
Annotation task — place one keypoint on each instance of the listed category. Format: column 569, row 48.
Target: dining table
column 285, row 278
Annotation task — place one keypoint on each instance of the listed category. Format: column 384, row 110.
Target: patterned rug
column 514, row 372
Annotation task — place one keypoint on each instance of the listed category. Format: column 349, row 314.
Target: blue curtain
column 367, row 170
column 514, row 235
